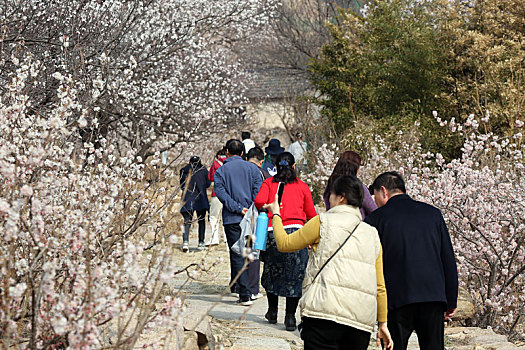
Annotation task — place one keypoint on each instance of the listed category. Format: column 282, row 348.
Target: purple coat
column 369, row 205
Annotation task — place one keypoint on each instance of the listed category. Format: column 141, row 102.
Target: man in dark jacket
column 419, row 264
column 236, row 185
column 194, row 182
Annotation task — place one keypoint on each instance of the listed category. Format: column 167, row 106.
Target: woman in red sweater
column 283, row 273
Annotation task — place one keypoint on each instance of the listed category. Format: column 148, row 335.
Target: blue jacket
column 195, row 197
column 418, row 259
column 236, row 185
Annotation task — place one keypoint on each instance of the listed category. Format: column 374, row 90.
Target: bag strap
column 338, row 249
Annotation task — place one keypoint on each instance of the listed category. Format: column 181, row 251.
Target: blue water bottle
column 261, row 230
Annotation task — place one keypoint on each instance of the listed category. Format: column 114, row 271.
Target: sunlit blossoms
column 483, row 200
column 151, row 73
column 93, row 91
column 70, row 253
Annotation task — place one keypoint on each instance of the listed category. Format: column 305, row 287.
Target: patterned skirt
column 283, row 273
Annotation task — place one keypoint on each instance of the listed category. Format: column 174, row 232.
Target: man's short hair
column 255, row 153
column 299, row 135
column 391, row 180
column 235, row 147
column 245, row 135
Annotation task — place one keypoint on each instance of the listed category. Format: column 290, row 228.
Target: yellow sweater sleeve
column 302, row 238
column 382, row 307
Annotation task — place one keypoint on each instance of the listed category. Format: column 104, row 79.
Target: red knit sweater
column 297, row 206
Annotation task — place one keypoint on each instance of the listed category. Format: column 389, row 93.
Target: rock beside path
column 196, row 321
column 472, row 338
column 190, row 341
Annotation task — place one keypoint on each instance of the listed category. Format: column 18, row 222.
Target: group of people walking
column 376, row 256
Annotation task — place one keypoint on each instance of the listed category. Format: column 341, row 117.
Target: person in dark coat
column 419, row 264
column 194, row 182
column 272, row 151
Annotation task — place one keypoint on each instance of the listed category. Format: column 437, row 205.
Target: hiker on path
column 272, row 151
column 247, row 141
column 420, row 266
column 215, row 205
column 344, row 289
column 256, row 156
column 194, row 182
column 298, row 150
column 236, row 185
column 349, row 163
column 283, row 273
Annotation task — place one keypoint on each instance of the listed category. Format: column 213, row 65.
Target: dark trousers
column 233, row 232
column 321, row 334
column 188, row 218
column 291, row 303
column 427, row 319
column 254, row 276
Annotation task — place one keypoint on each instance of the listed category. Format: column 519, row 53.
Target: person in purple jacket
column 348, row 164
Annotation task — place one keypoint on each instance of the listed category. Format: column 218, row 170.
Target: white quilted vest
column 345, row 290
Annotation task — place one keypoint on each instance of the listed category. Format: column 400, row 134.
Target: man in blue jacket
column 236, row 185
column 419, row 264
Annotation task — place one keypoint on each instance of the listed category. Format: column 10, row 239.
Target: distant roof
column 276, row 83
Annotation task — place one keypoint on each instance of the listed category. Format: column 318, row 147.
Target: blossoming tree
column 77, row 78
column 153, row 73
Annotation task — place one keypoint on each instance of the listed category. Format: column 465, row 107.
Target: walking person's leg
column 319, row 334
column 273, row 304
column 237, row 261
column 201, row 217
column 354, row 339
column 254, row 276
column 291, row 308
column 215, row 212
column 430, row 326
column 401, row 325
column 188, row 216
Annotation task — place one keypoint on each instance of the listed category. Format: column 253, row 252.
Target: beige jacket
column 345, row 290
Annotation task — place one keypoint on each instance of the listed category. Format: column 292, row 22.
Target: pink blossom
column 26, row 191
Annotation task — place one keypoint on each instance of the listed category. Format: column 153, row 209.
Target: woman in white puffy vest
column 344, row 290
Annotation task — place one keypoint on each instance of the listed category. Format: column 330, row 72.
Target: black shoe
column 289, row 322
column 245, row 301
column 271, row 316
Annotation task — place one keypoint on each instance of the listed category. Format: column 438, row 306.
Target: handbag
column 247, row 230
